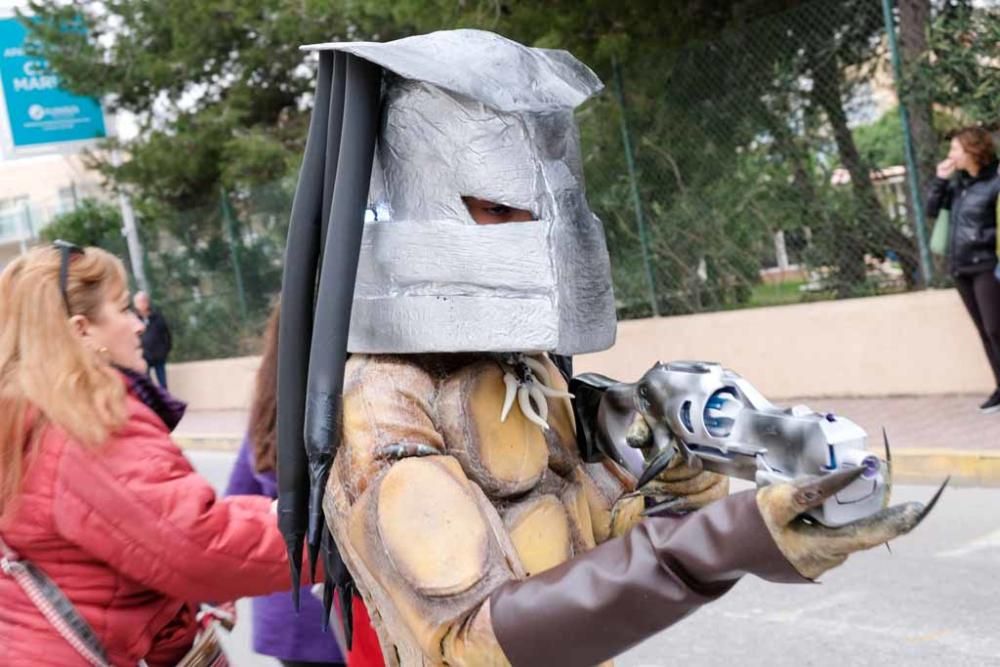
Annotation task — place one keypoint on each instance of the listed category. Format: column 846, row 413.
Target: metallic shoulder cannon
column 703, row 411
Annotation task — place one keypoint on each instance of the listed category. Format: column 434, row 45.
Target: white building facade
column 33, row 190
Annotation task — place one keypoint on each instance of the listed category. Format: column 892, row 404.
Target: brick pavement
column 922, row 422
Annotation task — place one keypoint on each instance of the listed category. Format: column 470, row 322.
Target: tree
column 880, row 144
column 961, row 67
column 92, row 223
column 914, row 23
column 218, row 89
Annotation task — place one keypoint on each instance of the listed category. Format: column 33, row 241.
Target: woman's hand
column 945, row 168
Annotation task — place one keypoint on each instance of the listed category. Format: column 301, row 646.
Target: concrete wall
column 908, row 344
column 219, row 384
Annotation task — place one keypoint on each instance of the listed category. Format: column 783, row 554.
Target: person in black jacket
column 156, row 341
column 967, row 186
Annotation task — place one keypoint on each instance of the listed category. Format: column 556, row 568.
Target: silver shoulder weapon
column 703, row 411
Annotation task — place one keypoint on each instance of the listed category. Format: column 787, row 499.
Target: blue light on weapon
column 720, row 413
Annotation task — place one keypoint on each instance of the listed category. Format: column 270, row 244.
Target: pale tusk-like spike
column 544, row 384
column 554, row 393
column 539, row 369
column 542, row 405
column 508, row 399
column 524, row 402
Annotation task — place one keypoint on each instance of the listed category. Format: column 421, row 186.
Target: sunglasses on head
column 66, row 250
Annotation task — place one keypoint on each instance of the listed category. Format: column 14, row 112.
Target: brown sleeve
column 629, row 588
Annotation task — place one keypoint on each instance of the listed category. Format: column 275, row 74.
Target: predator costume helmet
column 468, row 113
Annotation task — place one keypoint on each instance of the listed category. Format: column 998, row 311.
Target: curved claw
column 655, row 467
column 933, row 501
column 812, row 491
column 524, row 402
column 510, row 382
column 888, row 452
column 544, row 380
column 675, row 505
column 888, row 467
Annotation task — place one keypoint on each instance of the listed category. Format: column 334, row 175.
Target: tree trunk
column 850, row 259
column 879, row 232
column 914, row 20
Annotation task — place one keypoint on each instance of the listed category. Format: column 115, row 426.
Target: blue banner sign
column 39, row 112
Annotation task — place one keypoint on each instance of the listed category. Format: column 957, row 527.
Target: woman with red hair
column 967, row 186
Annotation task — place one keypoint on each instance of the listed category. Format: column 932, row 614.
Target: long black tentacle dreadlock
column 321, row 260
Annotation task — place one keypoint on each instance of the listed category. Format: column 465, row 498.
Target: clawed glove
column 811, row 548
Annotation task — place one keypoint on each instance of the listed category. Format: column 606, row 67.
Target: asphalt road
column 933, row 601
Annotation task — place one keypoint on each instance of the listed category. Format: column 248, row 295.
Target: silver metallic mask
column 468, row 113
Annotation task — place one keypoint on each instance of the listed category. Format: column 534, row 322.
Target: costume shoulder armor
column 387, row 416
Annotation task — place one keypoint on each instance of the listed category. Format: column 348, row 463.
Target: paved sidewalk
column 931, row 436
column 923, row 422
column 228, row 423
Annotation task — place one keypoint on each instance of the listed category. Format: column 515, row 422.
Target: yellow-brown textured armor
column 435, row 502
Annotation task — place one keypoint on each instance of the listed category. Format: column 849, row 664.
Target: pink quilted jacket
column 133, row 536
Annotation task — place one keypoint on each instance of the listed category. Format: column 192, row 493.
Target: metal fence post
column 926, row 266
column 131, row 233
column 634, row 181
column 230, row 222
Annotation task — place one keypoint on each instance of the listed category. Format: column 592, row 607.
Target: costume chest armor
column 438, row 500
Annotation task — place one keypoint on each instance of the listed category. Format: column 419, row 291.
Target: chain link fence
column 759, row 172
column 761, row 166
column 215, row 270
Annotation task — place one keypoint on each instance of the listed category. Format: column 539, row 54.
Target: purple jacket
column 277, row 630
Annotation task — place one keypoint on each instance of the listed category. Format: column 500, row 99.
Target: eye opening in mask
column 487, row 212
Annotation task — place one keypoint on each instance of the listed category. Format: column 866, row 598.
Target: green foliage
column 962, row 68
column 881, row 143
column 777, row 294
column 203, row 304
column 92, row 223
column 731, row 147
column 218, row 89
